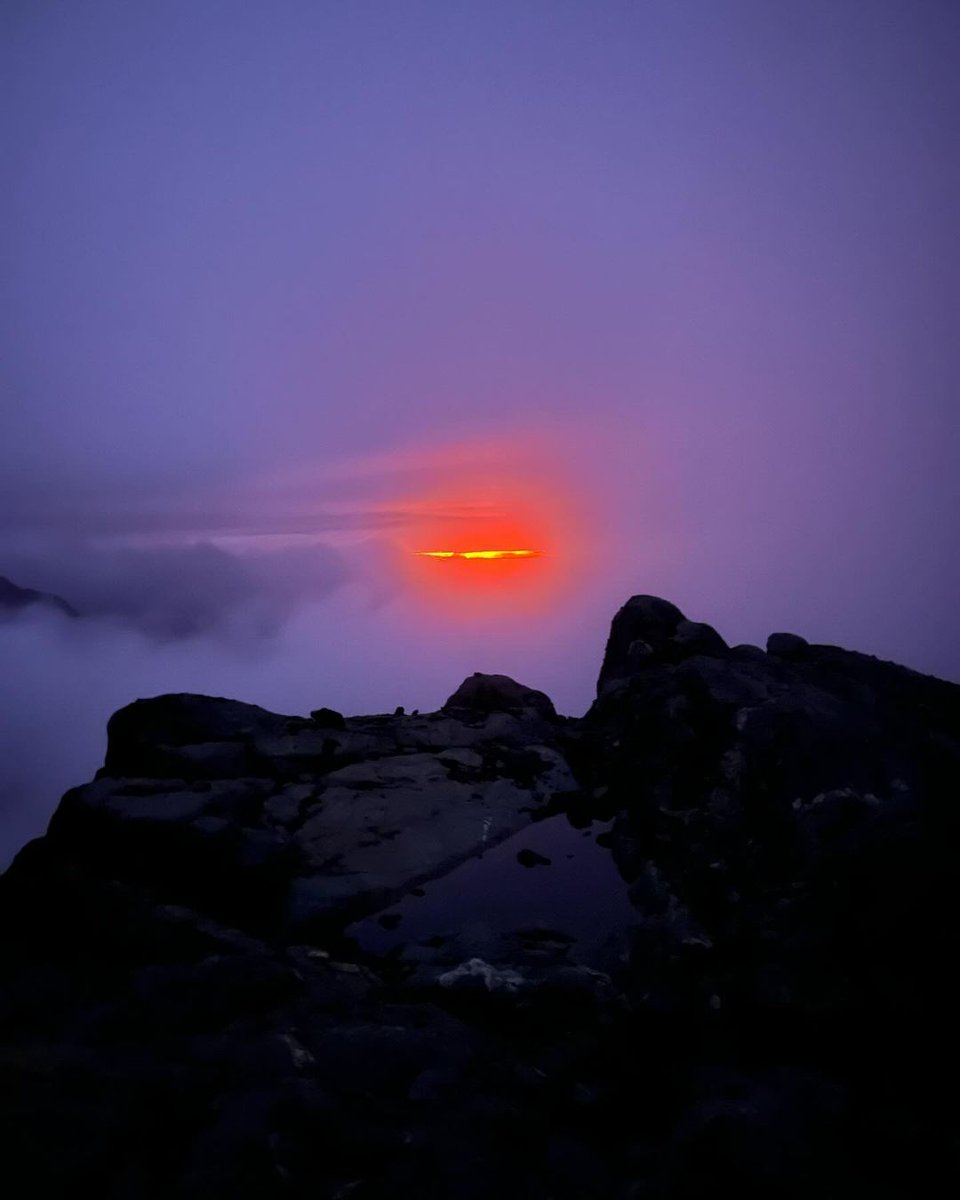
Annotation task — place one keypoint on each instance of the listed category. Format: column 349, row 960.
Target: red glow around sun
column 507, row 547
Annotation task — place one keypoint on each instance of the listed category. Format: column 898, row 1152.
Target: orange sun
column 498, row 564
column 493, row 542
column 479, row 553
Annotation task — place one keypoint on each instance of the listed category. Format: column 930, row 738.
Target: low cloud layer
column 170, row 592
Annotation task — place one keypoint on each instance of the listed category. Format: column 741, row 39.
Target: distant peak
column 498, row 693
column 13, row 597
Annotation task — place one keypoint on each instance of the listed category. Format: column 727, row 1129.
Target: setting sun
column 480, row 553
column 497, row 536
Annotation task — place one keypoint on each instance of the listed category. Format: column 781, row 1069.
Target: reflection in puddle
column 572, row 886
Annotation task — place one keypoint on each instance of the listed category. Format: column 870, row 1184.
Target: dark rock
column 647, row 632
column 693, row 637
column 212, row 993
column 530, row 858
column 160, row 737
column 787, row 645
column 498, row 693
column 638, row 635
column 328, row 718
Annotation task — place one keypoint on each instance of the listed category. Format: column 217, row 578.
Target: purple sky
column 284, row 277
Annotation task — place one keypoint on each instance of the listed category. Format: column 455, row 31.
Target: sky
column 290, row 291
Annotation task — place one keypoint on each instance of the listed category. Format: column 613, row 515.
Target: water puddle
column 573, row 889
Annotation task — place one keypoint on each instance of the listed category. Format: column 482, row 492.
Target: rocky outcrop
column 498, row 693
column 687, row 945
column 299, row 823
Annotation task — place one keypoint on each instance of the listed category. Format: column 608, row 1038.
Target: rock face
column 265, row 955
column 301, row 823
column 648, row 630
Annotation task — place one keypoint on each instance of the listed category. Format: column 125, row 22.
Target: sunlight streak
column 479, row 553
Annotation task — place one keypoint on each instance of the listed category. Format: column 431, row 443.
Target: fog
column 179, row 591
column 291, row 291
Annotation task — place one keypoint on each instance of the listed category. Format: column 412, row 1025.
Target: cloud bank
column 170, row 592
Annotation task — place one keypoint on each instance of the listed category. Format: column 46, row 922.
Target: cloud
column 181, row 591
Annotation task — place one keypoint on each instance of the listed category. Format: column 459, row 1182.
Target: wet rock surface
column 692, row 944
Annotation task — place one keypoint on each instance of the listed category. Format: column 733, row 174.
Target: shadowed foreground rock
column 270, row 956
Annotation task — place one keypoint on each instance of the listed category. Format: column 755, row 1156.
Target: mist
column 291, row 292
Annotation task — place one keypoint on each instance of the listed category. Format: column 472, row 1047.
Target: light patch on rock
column 300, row 1056
column 462, row 757
column 494, row 979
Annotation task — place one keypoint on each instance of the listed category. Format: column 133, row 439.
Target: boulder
column 185, row 735
column 694, row 637
column 648, row 632
column 638, row 635
column 787, row 645
column 482, row 694
column 328, row 718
